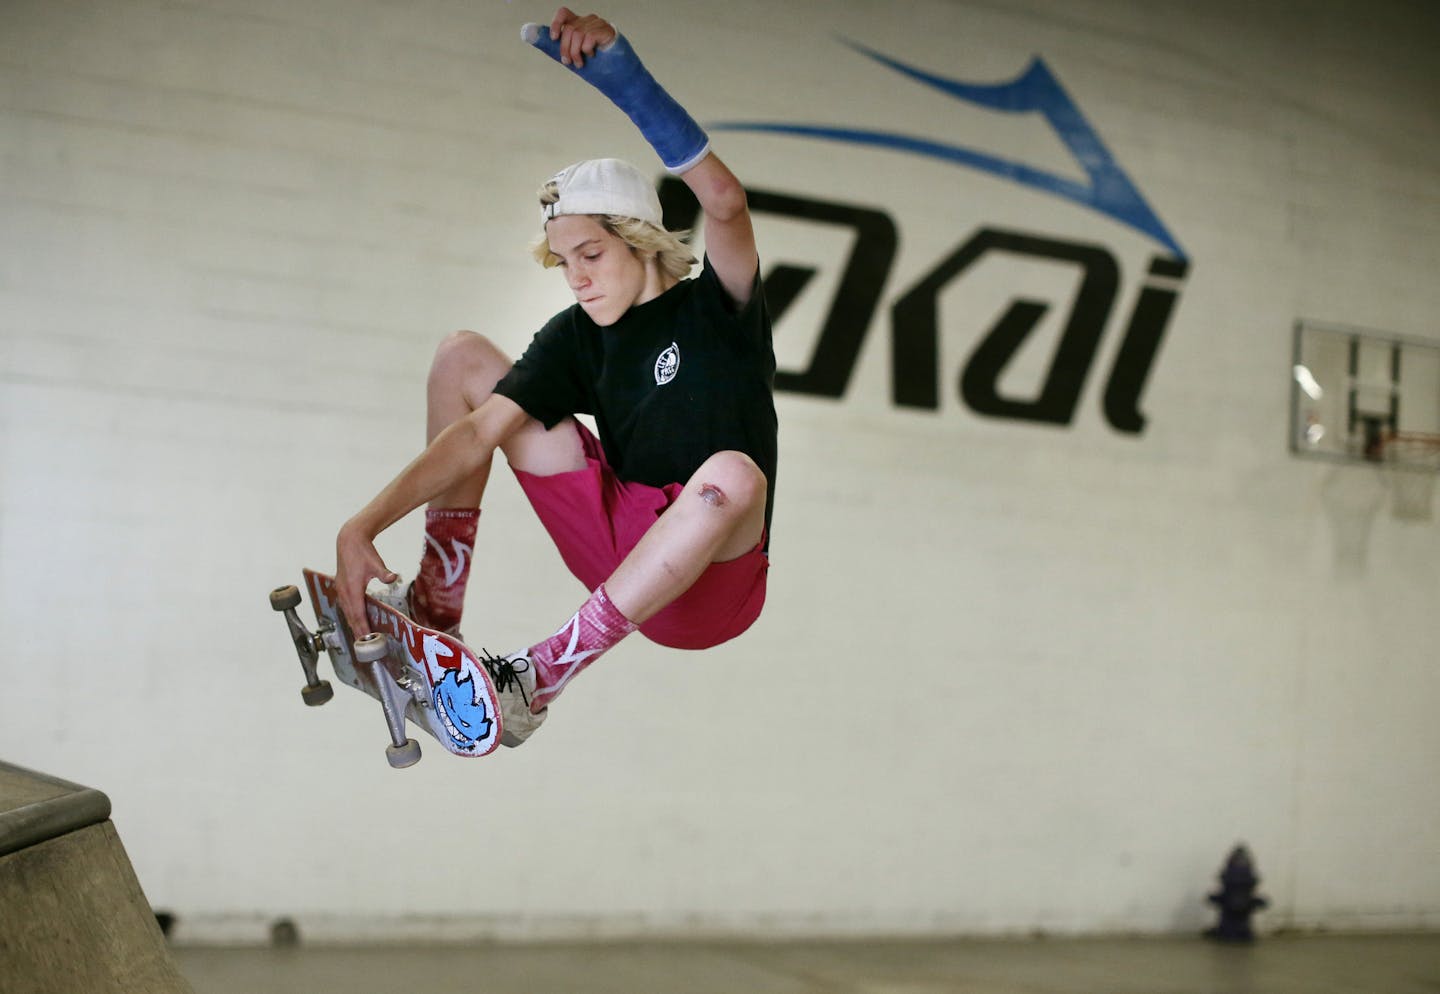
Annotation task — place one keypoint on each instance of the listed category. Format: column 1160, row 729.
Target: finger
column 562, row 16
column 378, row 570
column 594, row 34
column 571, row 45
column 355, row 614
column 360, row 602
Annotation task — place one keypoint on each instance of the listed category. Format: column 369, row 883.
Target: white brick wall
column 1010, row 677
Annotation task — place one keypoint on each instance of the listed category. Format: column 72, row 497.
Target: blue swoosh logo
column 1036, row 90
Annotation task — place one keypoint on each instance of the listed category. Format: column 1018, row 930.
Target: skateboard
column 429, row 677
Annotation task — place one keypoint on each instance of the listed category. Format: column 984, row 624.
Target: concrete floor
column 73, row 918
column 1274, row 965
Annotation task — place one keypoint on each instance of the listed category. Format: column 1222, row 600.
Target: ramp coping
column 37, row 807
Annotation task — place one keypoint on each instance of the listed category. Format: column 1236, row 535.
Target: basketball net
column 1412, row 461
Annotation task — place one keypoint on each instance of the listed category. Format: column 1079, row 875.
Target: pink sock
column 438, row 596
column 596, row 627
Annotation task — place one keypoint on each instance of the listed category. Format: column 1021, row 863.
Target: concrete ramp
column 72, row 915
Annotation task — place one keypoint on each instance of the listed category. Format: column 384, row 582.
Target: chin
column 602, row 316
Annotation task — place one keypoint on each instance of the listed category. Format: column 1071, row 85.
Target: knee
column 463, row 354
column 463, row 347
column 731, row 481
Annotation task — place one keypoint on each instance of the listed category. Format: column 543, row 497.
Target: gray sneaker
column 514, row 680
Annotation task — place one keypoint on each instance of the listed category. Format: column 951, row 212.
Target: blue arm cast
column 617, row 72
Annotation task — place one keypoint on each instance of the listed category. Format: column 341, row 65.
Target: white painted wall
column 1011, row 677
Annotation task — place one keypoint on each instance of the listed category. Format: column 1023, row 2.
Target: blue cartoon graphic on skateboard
column 416, row 673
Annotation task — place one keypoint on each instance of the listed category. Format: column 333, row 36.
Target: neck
column 657, row 281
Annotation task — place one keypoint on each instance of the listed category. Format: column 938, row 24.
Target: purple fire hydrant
column 1236, row 899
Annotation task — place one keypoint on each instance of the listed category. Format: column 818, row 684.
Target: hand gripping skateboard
column 414, row 672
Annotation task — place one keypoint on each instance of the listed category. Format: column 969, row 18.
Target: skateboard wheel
column 402, row 756
column 318, row 694
column 285, row 598
column 371, row 648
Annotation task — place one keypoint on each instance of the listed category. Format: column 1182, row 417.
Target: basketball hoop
column 1412, row 461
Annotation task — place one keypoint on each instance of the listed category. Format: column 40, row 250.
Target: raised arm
column 601, row 56
column 729, row 235
column 456, row 453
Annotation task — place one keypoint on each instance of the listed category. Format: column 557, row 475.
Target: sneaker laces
column 505, row 672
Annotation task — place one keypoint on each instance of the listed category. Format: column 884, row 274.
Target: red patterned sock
column 596, row 627
column 438, row 596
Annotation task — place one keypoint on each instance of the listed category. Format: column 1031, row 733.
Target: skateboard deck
column 416, row 673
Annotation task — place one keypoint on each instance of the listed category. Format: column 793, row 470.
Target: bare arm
column 457, row 452
column 729, row 234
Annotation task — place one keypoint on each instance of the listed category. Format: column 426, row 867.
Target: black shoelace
column 505, row 673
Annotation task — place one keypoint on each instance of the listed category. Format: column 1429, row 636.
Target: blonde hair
column 672, row 255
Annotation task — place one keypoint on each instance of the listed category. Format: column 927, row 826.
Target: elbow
column 490, row 425
column 719, row 192
column 725, row 200
column 480, row 436
column 721, row 195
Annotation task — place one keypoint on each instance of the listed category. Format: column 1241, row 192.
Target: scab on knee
column 712, row 495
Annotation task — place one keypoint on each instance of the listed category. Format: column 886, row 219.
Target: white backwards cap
column 604, row 186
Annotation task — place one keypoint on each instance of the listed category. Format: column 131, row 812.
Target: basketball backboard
column 1352, row 389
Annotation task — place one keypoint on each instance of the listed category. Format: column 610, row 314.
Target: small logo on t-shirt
column 667, row 365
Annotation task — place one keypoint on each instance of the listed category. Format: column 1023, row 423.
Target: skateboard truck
column 308, row 645
column 369, row 651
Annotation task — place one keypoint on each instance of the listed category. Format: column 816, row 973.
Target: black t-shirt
column 675, row 380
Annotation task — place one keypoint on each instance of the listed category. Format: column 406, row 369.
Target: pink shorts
column 595, row 519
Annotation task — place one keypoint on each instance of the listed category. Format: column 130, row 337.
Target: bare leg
column 718, row 517
column 462, row 378
column 463, row 375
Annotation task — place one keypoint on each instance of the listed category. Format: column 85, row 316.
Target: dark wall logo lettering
column 915, row 318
